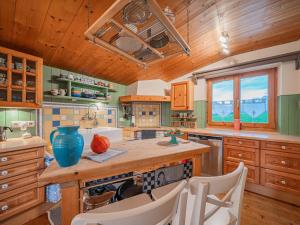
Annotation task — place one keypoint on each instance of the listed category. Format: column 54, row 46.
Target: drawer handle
column 3, row 159
column 4, row 186
column 283, row 182
column 4, row 173
column 283, row 147
column 240, row 142
column 283, row 162
column 240, row 155
column 4, row 207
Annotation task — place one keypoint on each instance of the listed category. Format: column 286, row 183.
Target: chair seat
column 125, row 204
column 221, row 217
column 162, row 191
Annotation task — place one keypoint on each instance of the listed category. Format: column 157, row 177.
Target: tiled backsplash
column 57, row 115
column 8, row 115
column 146, row 114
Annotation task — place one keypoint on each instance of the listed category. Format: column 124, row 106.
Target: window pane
column 254, row 99
column 222, row 101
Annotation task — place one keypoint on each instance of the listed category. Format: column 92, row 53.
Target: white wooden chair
column 202, row 205
column 206, row 208
column 160, row 212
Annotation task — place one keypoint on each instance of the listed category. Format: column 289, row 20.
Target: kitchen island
column 140, row 155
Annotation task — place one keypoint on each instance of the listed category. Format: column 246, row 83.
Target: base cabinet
column 273, row 167
column 19, row 171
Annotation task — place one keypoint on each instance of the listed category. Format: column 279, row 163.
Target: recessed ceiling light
column 226, row 51
column 224, row 37
column 224, row 45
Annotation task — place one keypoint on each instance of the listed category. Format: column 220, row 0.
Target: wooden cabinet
column 253, row 171
column 19, row 172
column 250, row 156
column 182, row 96
column 273, row 166
column 281, row 181
column 20, row 79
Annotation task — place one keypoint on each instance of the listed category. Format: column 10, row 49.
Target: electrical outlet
column 19, row 124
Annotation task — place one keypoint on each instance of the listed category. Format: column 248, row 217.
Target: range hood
column 138, row 30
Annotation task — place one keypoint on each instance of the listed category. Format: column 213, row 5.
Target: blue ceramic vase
column 67, row 145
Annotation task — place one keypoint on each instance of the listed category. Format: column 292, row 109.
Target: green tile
column 24, row 115
column 11, row 115
column 2, row 117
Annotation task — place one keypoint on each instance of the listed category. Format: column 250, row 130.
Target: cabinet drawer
column 280, row 181
column 253, row 171
column 242, row 142
column 20, row 202
column 250, row 156
column 280, row 146
column 12, row 183
column 21, row 168
column 281, row 161
column 20, row 156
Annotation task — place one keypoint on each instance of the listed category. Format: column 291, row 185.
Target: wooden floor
column 257, row 210
column 260, row 210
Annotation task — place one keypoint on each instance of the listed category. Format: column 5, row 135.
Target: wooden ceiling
column 54, row 30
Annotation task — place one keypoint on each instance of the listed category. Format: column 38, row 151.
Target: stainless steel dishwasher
column 212, row 162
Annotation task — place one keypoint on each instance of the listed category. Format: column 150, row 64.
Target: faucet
column 3, row 133
column 88, row 116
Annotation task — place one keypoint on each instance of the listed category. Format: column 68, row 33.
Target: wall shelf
column 79, row 84
column 74, row 99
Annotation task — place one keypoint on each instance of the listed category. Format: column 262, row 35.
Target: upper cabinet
column 20, row 79
column 182, row 96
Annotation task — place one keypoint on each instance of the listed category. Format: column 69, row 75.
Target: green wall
column 8, row 115
column 199, row 112
column 289, row 114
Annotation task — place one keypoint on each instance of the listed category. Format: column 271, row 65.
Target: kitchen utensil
column 128, row 44
column 67, row 145
column 54, row 91
column 128, row 189
column 96, row 201
column 18, row 65
column 136, row 12
column 62, row 92
column 70, row 77
column 159, row 40
column 18, row 82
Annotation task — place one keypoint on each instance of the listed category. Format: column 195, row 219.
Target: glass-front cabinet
column 20, row 79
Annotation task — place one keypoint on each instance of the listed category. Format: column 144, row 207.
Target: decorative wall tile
column 55, row 123
column 56, row 111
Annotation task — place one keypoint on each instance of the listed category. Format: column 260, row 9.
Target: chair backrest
column 202, row 190
column 159, row 212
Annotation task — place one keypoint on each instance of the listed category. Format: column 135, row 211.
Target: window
column 249, row 97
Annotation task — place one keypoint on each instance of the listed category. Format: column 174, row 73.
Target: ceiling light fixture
column 224, row 38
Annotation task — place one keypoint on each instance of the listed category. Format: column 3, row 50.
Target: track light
column 224, row 38
column 226, row 51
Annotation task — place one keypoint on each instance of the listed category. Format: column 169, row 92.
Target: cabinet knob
column 4, row 173
column 283, row 147
column 240, row 142
column 283, row 182
column 240, row 155
column 283, row 162
column 4, row 186
column 4, row 207
column 3, row 159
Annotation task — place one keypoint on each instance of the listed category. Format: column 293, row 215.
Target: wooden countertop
column 140, row 154
column 258, row 135
column 13, row 144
